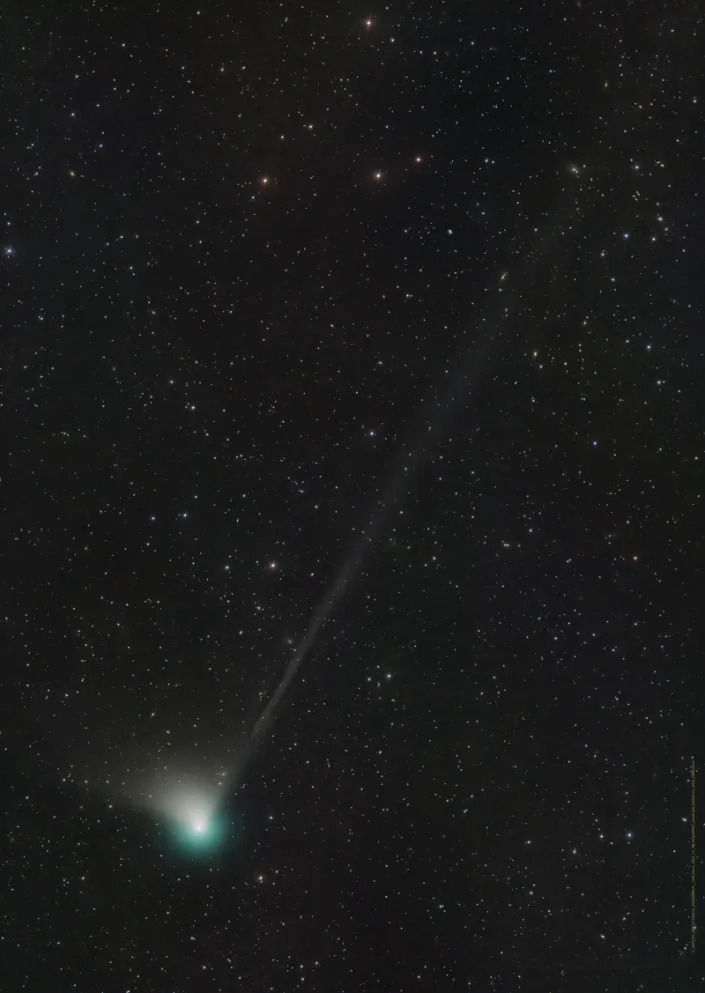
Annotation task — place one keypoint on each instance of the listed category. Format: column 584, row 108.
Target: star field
column 353, row 475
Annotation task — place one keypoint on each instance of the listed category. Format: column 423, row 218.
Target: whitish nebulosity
column 192, row 811
column 191, row 806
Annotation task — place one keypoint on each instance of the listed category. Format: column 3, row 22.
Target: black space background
column 481, row 777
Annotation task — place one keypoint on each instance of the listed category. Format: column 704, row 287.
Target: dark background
column 246, row 250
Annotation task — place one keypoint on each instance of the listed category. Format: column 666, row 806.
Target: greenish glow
column 195, row 819
column 201, row 833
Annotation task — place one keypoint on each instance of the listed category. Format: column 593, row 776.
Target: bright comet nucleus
column 196, row 821
column 191, row 808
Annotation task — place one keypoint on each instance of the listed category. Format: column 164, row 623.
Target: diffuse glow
column 192, row 809
column 191, row 805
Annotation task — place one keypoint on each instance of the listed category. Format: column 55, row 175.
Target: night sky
column 353, row 496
